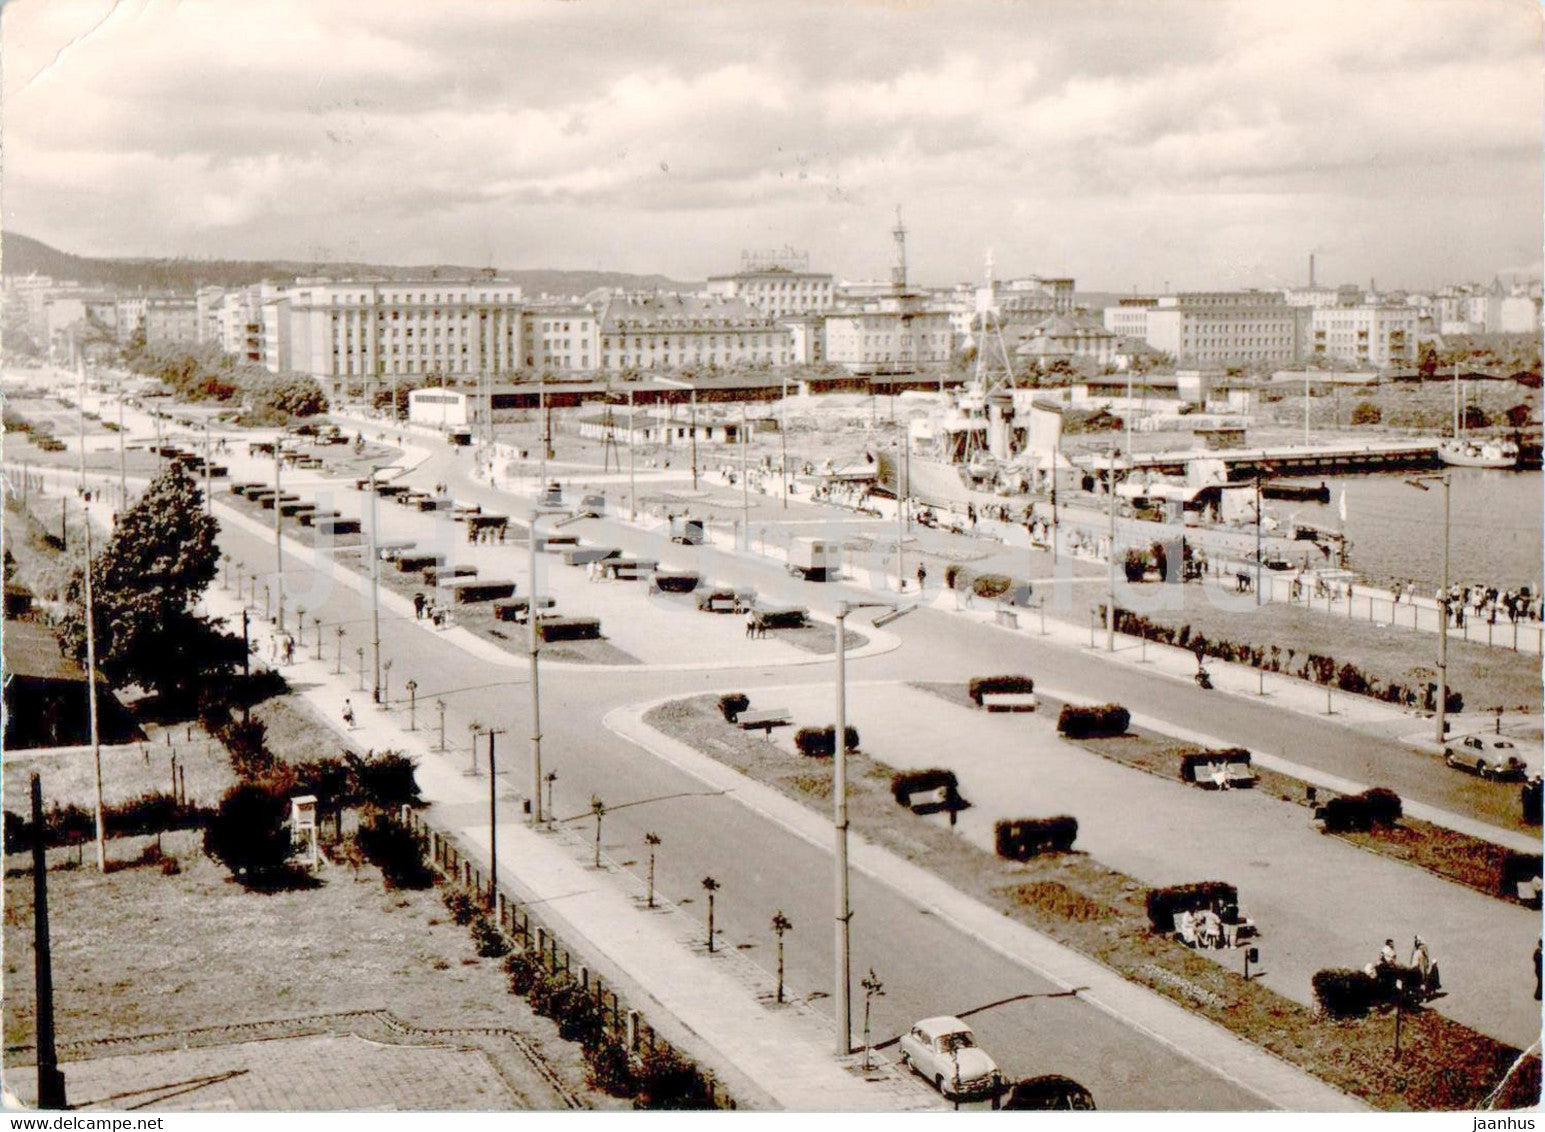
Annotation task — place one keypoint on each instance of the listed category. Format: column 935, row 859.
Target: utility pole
column 81, row 416
column 1056, row 458
column 844, row 1006
column 375, row 584
column 783, row 435
column 693, row 430
column 493, row 823
column 209, row 503
column 91, row 701
column 1442, row 704
column 1110, row 558
column 901, row 533
column 541, row 413
column 50, row 1079
column 533, row 646
column 632, row 482
column 123, row 460
column 1306, row 407
column 745, row 479
column 1260, row 520
column 278, row 534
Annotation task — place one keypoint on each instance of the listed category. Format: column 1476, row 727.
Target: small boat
column 1465, row 453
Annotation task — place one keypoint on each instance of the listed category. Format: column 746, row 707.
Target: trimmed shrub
column 1529, row 798
column 1093, row 722
column 523, row 971
column 991, row 585
column 460, row 906
column 1383, row 805
column 1359, row 813
column 1029, row 837
column 730, row 706
column 489, row 940
column 821, row 742
column 676, row 583
column 1518, row 868
column 666, row 1080
column 998, row 685
column 611, row 1069
column 396, row 850
column 579, row 1018
column 385, row 780
column 1342, row 992
column 1164, row 904
column 910, row 782
column 548, row 992
column 248, row 833
column 1366, row 413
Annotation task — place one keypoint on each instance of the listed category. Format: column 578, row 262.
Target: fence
column 528, row 933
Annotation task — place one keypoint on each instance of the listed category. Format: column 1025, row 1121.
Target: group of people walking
column 425, row 608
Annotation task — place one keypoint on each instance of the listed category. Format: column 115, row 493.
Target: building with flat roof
column 776, row 289
column 669, row 331
column 1222, row 327
column 1375, row 334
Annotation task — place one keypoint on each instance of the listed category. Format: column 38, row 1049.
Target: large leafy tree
column 146, row 582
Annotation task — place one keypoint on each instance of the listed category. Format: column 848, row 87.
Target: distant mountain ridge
column 22, row 255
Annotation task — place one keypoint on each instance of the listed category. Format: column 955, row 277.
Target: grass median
column 1100, row 912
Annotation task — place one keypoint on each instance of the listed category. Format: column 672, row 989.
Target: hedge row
column 731, row 705
column 396, row 850
column 958, row 577
column 909, row 782
column 1310, row 666
column 1360, row 812
column 1342, row 992
column 821, row 742
column 153, row 812
column 1164, row 904
column 1530, row 798
column 1029, row 837
column 1093, row 722
column 998, row 685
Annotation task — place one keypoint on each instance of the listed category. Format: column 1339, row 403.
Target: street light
column 1441, row 714
column 533, row 645
column 412, row 687
column 843, row 941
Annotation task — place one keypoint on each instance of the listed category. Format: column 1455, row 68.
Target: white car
column 1490, row 756
column 944, row 1052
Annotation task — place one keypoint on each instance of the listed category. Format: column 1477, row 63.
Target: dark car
column 1051, row 1093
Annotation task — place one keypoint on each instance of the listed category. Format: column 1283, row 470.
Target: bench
column 464, row 511
column 313, row 517
column 337, row 526
column 1008, row 701
column 627, row 569
column 411, row 498
column 552, row 542
column 764, row 721
column 516, row 608
column 789, row 617
column 272, row 499
column 726, row 601
column 392, row 549
column 390, row 490
column 293, row 506
column 675, row 581
column 435, row 503
column 1006, row 618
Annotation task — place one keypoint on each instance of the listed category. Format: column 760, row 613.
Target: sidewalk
column 1274, row 1080
column 718, row 1008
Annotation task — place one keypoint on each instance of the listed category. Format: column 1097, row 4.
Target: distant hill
column 22, row 255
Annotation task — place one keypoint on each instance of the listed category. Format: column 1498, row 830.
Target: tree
column 1366, row 413
column 1427, row 363
column 1518, row 416
column 146, row 581
column 1476, row 417
column 248, row 834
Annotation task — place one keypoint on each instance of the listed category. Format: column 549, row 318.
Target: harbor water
column 1396, row 530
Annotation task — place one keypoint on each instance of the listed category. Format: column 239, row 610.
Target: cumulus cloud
column 1125, row 143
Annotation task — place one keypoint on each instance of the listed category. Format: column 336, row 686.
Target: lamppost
column 359, row 654
column 1441, row 714
column 375, row 575
column 474, row 729
column 550, row 777
column 91, row 683
column 412, row 686
column 780, row 925
column 533, row 645
column 1110, row 557
column 653, row 841
column 710, row 886
column 598, row 808
column 385, row 697
column 338, row 635
column 279, row 529
column 873, row 988
column 493, row 824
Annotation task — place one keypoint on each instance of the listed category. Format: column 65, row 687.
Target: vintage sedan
column 1488, row 756
column 944, row 1052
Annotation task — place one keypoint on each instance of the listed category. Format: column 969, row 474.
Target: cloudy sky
column 1199, row 142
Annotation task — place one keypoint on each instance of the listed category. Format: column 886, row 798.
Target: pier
column 1328, row 459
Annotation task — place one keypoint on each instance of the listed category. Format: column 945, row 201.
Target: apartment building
column 1222, row 327
column 889, row 337
column 1129, row 318
column 1375, row 334
column 654, row 331
column 561, row 336
column 352, row 333
column 170, row 318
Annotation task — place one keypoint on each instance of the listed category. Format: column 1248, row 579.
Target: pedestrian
column 418, row 605
column 922, row 576
column 289, row 649
column 751, row 623
column 348, row 714
column 1536, row 970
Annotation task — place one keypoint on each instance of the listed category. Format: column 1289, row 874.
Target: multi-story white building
column 890, row 336
column 1129, row 318
column 669, row 331
column 561, row 336
column 776, row 290
column 358, row 334
column 171, row 318
column 207, row 300
column 1376, row 334
column 1220, row 327
column 239, row 322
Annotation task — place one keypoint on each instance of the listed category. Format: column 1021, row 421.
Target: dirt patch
column 140, row 952
column 1101, row 913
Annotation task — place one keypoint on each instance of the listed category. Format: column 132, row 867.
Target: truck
column 815, row 559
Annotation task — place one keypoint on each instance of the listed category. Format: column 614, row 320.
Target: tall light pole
column 91, row 700
column 123, row 460
column 692, row 425
column 844, row 1005
column 278, row 532
column 493, row 824
column 783, row 435
column 375, row 582
column 1110, row 558
column 541, row 421
column 208, row 490
column 1260, row 520
column 81, row 415
column 534, row 646
column 745, row 479
column 1440, row 715
column 632, row 481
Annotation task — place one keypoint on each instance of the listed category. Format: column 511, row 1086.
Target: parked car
column 943, row 1051
column 1490, row 756
column 1051, row 1093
